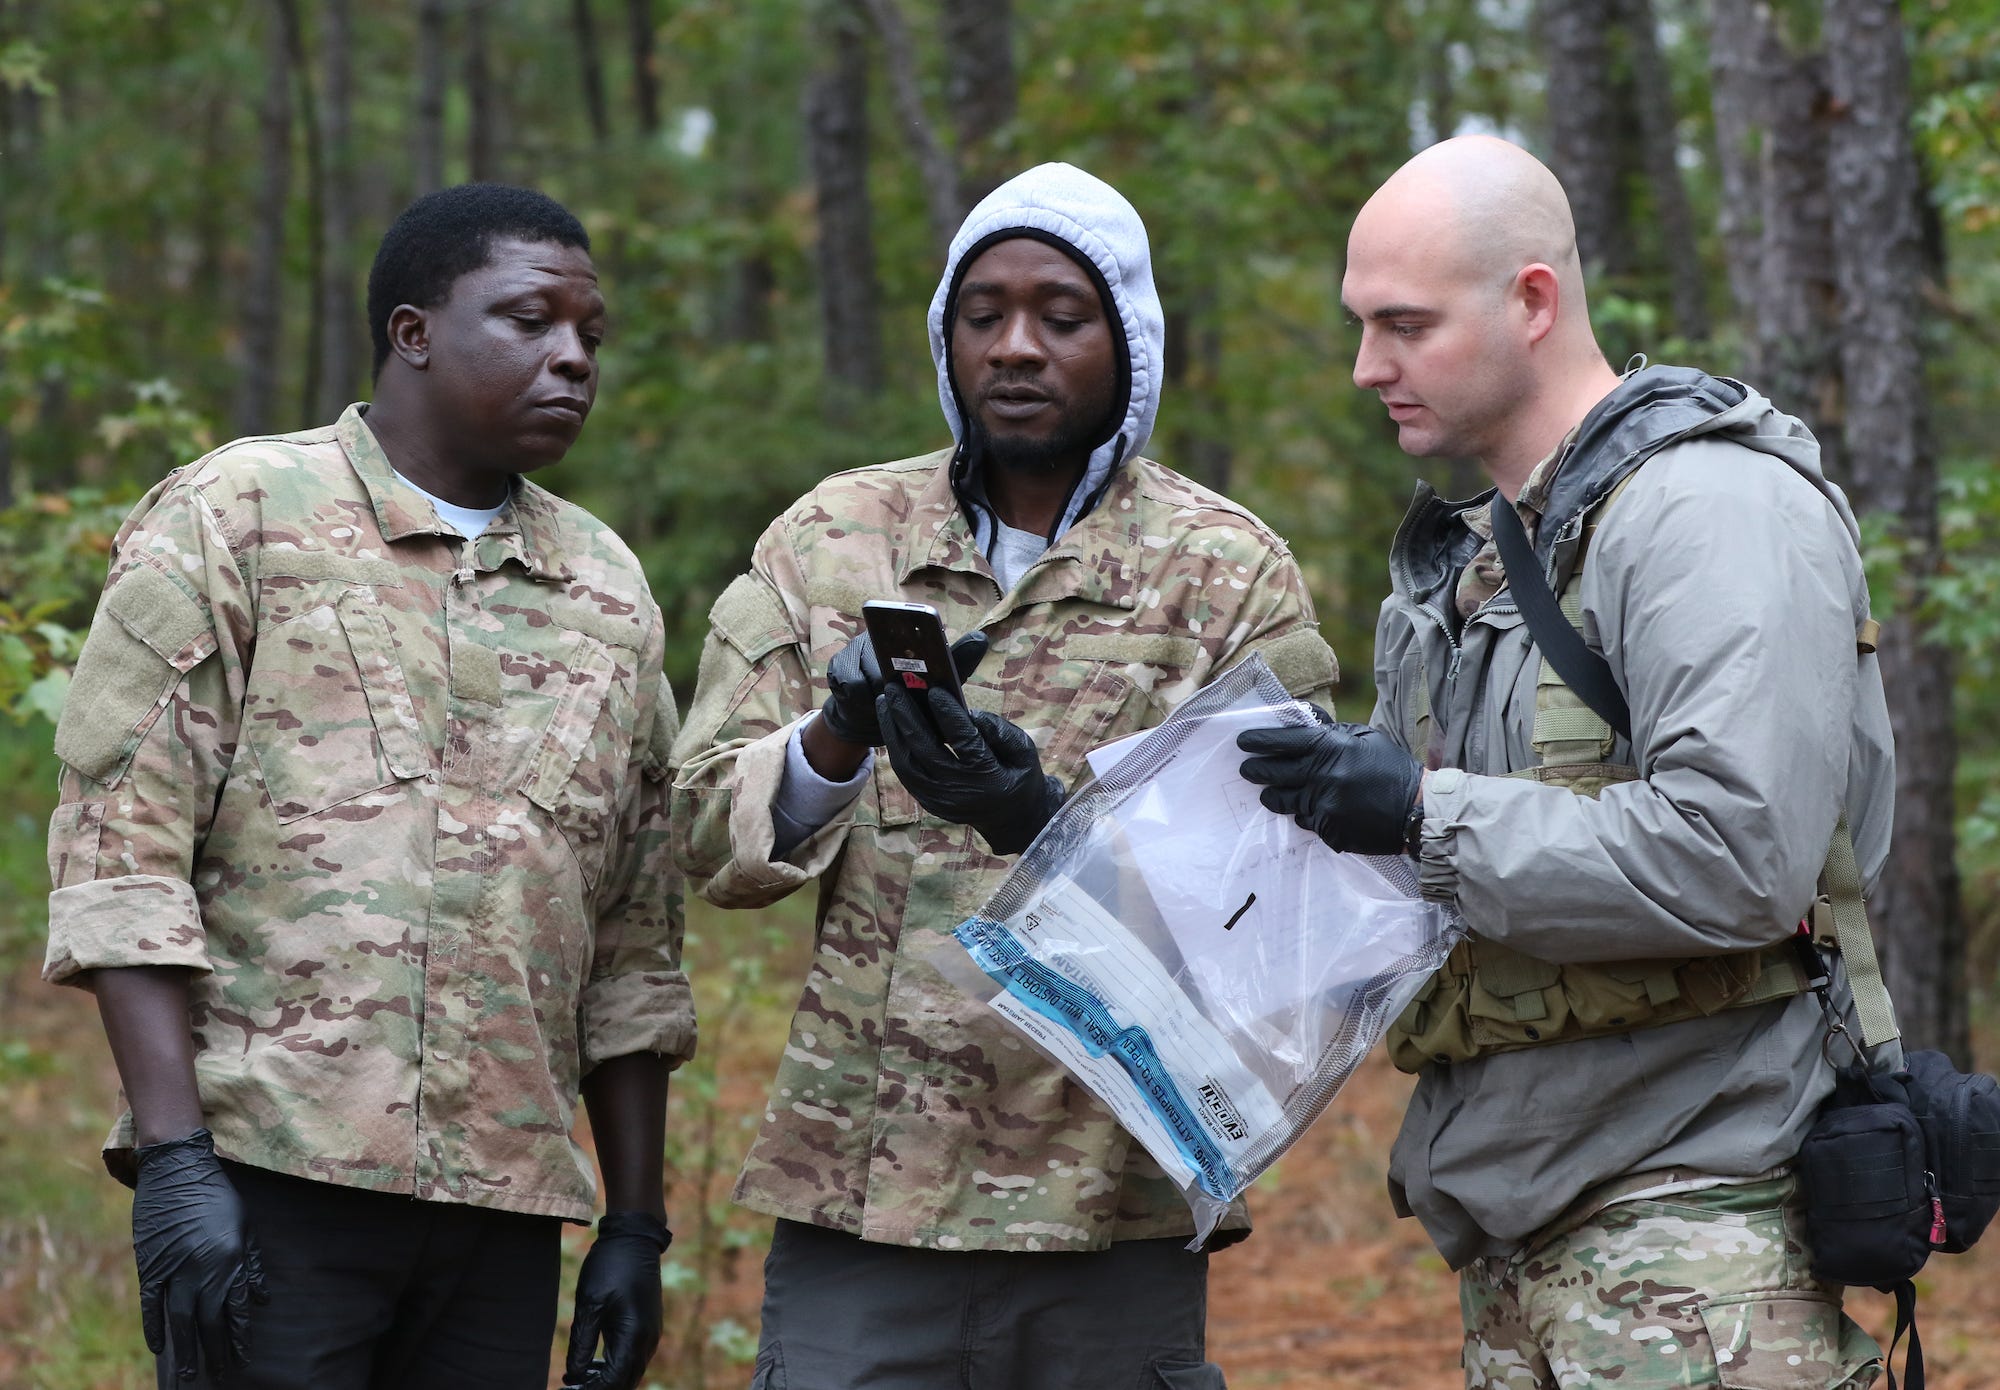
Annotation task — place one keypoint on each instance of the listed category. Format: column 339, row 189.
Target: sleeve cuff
column 108, row 923
column 1446, row 791
column 647, row 1011
column 806, row 801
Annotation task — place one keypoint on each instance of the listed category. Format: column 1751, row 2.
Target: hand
column 1347, row 783
column 618, row 1294
column 970, row 768
column 854, row 679
column 198, row 1269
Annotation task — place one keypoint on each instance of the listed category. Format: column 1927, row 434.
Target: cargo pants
column 1696, row 1288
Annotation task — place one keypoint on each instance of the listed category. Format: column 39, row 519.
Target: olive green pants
column 1705, row 1288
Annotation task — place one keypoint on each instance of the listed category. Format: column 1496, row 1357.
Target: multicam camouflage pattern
column 904, row 1110
column 404, row 816
column 1692, row 1288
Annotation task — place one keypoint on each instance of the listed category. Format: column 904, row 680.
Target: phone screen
column 910, row 645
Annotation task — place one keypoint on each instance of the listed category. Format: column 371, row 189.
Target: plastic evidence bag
column 1208, row 969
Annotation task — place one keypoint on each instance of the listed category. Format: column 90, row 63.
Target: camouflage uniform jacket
column 396, row 799
column 904, row 1110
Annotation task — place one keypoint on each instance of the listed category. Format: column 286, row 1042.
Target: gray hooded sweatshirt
column 1092, row 223
column 1725, row 589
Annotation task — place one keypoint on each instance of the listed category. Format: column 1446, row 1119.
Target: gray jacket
column 1725, row 588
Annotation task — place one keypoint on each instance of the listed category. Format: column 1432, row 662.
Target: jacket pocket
column 74, row 832
column 327, row 712
column 581, row 767
column 1183, row 1375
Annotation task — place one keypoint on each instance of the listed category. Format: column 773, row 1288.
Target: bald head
column 1463, row 272
column 1483, row 208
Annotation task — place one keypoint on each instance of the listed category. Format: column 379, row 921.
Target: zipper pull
column 1937, row 1213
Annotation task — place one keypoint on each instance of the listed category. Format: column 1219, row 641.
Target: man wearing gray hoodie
column 953, row 1209
column 1616, row 1070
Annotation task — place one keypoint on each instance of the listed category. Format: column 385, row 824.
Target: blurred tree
column 1878, row 260
column 256, row 404
column 432, row 57
column 341, row 321
column 980, row 88
column 836, row 110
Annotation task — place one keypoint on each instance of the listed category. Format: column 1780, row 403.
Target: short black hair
column 450, row 233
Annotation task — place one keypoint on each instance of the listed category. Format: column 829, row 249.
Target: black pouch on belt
column 1960, row 1119
column 1871, row 1207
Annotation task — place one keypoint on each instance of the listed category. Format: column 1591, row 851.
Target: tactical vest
column 1488, row 998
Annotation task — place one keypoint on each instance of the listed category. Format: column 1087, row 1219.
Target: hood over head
column 1092, row 222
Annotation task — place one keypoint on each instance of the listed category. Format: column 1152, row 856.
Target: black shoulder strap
column 1582, row 669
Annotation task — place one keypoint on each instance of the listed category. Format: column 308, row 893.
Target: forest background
column 1803, row 193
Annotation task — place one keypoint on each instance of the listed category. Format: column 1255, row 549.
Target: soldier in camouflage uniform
column 1617, row 1068
column 362, row 848
column 953, row 1209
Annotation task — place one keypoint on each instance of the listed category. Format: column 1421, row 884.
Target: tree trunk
column 836, row 112
column 1736, row 101
column 591, row 66
column 980, row 89
column 934, row 162
column 264, row 284
column 1771, row 112
column 340, row 367
column 1659, row 152
column 483, row 139
column 431, row 83
column 1878, row 258
column 295, row 44
column 1583, row 121
column 645, row 76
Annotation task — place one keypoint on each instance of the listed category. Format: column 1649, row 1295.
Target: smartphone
column 909, row 643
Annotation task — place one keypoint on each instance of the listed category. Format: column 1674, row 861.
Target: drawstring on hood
column 1093, row 224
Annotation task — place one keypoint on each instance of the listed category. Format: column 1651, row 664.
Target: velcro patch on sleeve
column 751, row 617
column 1302, row 661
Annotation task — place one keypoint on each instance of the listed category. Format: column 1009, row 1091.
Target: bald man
column 1616, row 1069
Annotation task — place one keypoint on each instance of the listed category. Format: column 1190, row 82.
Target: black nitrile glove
column 971, row 768
column 854, row 679
column 198, row 1269
column 618, row 1295
column 1347, row 783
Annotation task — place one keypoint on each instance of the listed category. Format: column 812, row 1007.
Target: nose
column 1373, row 368
column 568, row 357
column 1017, row 343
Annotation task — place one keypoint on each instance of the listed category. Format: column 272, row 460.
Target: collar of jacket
column 1088, row 561
column 526, row 532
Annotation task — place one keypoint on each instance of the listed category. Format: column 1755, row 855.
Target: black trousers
column 841, row 1312
column 375, row 1291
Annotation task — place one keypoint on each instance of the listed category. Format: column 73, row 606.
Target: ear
column 1539, row 294
column 410, row 335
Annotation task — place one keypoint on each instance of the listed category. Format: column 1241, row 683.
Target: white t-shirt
column 469, row 522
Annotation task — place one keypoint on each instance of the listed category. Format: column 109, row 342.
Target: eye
column 982, row 319
column 1063, row 325
column 534, row 323
column 1406, row 330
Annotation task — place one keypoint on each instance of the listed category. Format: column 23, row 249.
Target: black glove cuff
column 1413, row 829
column 201, row 1141
column 636, row 1223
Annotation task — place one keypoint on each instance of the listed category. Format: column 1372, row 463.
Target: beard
column 1068, row 445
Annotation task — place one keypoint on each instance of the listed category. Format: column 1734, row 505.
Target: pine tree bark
column 981, row 89
column 1583, row 122
column 1659, row 150
column 1776, row 90
column 340, row 364
column 1736, row 102
column 645, row 76
column 256, row 406
column 590, row 64
column 432, row 39
column 1878, row 261
column 836, row 114
column 483, row 136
